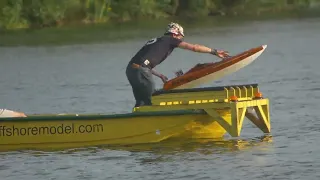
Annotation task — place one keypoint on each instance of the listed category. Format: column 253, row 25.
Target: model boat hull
column 208, row 72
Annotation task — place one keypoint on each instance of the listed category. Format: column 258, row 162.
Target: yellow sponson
column 225, row 107
column 188, row 114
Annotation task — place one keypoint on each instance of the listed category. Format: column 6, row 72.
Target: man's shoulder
column 171, row 39
column 165, row 36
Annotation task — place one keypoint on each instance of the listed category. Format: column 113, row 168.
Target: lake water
column 91, row 79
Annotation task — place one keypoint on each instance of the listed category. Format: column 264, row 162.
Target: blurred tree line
column 47, row 13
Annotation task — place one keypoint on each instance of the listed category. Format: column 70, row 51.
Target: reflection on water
column 171, row 147
column 175, row 146
column 203, row 146
column 169, row 157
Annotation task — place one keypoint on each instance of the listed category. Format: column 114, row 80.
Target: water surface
column 91, row 79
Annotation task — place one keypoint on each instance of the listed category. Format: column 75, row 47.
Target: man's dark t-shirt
column 155, row 51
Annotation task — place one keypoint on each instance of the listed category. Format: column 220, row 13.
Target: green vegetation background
column 54, row 22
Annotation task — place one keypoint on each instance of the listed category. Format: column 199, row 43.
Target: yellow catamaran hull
column 189, row 113
column 41, row 132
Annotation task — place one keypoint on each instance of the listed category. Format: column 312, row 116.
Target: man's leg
column 142, row 84
column 137, row 97
column 133, row 78
column 146, row 79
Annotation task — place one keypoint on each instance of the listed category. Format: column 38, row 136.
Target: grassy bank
column 119, row 31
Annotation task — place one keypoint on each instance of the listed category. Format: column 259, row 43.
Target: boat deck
column 239, row 101
column 205, row 95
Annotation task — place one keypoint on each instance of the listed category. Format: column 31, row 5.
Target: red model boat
column 207, row 72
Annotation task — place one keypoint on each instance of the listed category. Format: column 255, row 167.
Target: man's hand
column 163, row 78
column 220, row 53
column 203, row 49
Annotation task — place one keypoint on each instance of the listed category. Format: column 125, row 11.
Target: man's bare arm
column 195, row 47
column 161, row 76
column 203, row 49
column 156, row 73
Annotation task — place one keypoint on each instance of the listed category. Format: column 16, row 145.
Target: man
column 140, row 68
column 9, row 113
